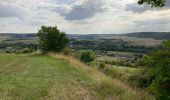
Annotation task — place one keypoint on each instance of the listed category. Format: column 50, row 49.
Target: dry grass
column 113, row 89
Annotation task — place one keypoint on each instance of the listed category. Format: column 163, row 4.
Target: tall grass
column 116, row 89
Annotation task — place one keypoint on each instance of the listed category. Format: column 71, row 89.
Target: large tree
column 52, row 39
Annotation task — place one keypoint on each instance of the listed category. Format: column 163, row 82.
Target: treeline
column 155, row 35
column 14, row 47
column 110, row 45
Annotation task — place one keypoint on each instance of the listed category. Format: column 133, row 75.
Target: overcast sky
column 82, row 16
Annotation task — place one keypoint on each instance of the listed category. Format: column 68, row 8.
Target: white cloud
column 82, row 16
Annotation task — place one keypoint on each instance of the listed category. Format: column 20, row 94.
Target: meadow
column 57, row 77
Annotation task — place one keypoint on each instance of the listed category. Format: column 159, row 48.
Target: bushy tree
column 52, row 39
column 158, row 67
column 87, row 56
column 161, row 69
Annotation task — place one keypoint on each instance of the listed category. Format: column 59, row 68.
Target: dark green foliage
column 142, row 80
column 87, row 56
column 51, row 39
column 102, row 65
column 153, row 3
column 161, row 87
column 158, row 66
column 110, row 45
column 8, row 51
column 161, row 70
column 166, row 45
column 143, row 61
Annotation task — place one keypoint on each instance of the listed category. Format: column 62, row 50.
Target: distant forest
column 155, row 35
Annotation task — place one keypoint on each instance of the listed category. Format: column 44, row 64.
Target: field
column 32, row 38
column 57, row 77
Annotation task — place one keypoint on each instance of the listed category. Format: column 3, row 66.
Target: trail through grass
column 41, row 77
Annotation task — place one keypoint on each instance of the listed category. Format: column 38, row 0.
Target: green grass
column 34, row 77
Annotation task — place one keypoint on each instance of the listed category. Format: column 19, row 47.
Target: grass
column 123, row 73
column 108, row 58
column 57, row 77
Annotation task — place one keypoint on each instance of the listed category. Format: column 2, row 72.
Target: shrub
column 26, row 50
column 141, row 80
column 102, row 65
column 66, row 50
column 8, row 51
column 161, row 87
column 87, row 56
column 158, row 66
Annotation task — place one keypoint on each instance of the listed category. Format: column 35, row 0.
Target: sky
column 83, row 16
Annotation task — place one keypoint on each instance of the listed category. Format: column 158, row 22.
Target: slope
column 55, row 77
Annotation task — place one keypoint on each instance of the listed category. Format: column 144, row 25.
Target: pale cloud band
column 82, row 16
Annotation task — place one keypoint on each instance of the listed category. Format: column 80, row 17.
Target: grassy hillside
column 56, row 77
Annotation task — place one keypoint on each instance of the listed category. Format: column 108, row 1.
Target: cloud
column 81, row 10
column 82, row 16
column 9, row 10
column 159, row 21
column 152, row 24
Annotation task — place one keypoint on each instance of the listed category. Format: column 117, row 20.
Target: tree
column 87, row 56
column 153, row 3
column 161, row 69
column 159, row 63
column 52, row 39
column 158, row 66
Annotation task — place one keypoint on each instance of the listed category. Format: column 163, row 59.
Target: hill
column 155, row 35
column 55, row 77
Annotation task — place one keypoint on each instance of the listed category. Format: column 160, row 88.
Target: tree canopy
column 153, row 3
column 52, row 39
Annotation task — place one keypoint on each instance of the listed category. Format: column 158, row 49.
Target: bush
column 161, row 87
column 66, row 50
column 87, row 56
column 52, row 39
column 26, row 50
column 141, row 80
column 158, row 66
column 8, row 51
column 102, row 65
